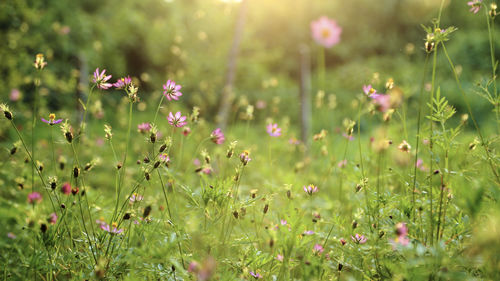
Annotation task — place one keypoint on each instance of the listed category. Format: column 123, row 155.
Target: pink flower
column 100, row 79
column 15, row 95
column 381, row 101
column 143, row 128
column 283, row 222
column 255, row 275
column 53, row 218
column 34, row 197
column 171, row 90
column 193, row 267
column 176, row 120
column 369, row 90
column 342, row 163
column 217, row 136
column 135, row 198
column 310, row 189
column 358, row 239
column 122, row 82
column 52, row 120
column 273, row 130
column 326, row 32
column 294, row 141
column 318, row 249
column 66, row 188
column 279, row 257
column 402, row 235
column 186, row 131
column 113, row 229
column 308, row 232
column 349, row 137
column 475, row 5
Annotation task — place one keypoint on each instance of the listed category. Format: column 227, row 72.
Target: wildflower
column 273, row 130
column 326, row 32
column 52, row 120
column 308, row 232
column 6, row 111
column 53, row 218
column 40, row 62
column 34, row 197
column 67, row 131
column 107, row 131
column 217, row 136
column 358, row 239
column 11, row 235
column 279, row 257
column 230, row 149
column 404, row 146
column 310, row 189
column 113, row 229
column 342, row 163
column 294, row 141
column 283, row 222
column 123, row 82
column 176, row 120
column 381, row 101
column 475, row 5
column 143, row 128
column 318, row 249
column 493, row 10
column 245, row 157
column 402, row 235
column 100, row 79
column 186, row 131
column 171, row 90
column 193, row 266
column 321, row 135
column 255, row 275
column 349, row 137
column 15, row 95
column 369, row 90
column 135, row 198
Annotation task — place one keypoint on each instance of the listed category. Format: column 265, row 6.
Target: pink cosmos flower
column 318, row 249
column 143, row 128
column 273, row 130
column 15, row 95
column 255, row 275
column 53, row 218
column 402, row 235
column 217, row 136
column 176, row 120
column 326, row 32
column 52, row 120
column 100, row 79
column 186, row 131
column 113, row 229
column 66, row 188
column 283, row 222
column 369, row 90
column 358, row 239
column 122, row 82
column 279, row 257
column 34, row 197
column 475, row 5
column 171, row 90
column 310, row 189
column 381, row 101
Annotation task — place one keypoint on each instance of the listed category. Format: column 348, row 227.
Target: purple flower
column 135, row 198
column 217, row 136
column 369, row 90
column 171, row 90
column 52, row 119
column 15, row 95
column 358, row 239
column 164, row 158
column 113, row 229
column 245, row 157
column 308, row 232
column 475, row 5
column 100, row 79
column 255, row 275
column 318, row 249
column 310, row 189
column 176, row 120
column 381, row 101
column 326, row 32
column 11, row 235
column 273, row 130
column 122, row 82
column 66, row 188
column 34, row 197
column 283, row 222
column 143, row 128
column 53, row 218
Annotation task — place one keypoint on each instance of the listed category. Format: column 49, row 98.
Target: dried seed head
column 76, row 172
column 146, row 212
column 266, row 208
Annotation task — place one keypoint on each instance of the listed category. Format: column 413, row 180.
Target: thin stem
column 469, row 109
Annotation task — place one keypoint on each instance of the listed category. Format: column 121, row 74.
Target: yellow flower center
column 114, row 224
column 52, row 116
column 325, row 33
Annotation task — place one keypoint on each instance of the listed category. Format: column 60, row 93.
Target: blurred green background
column 189, row 41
